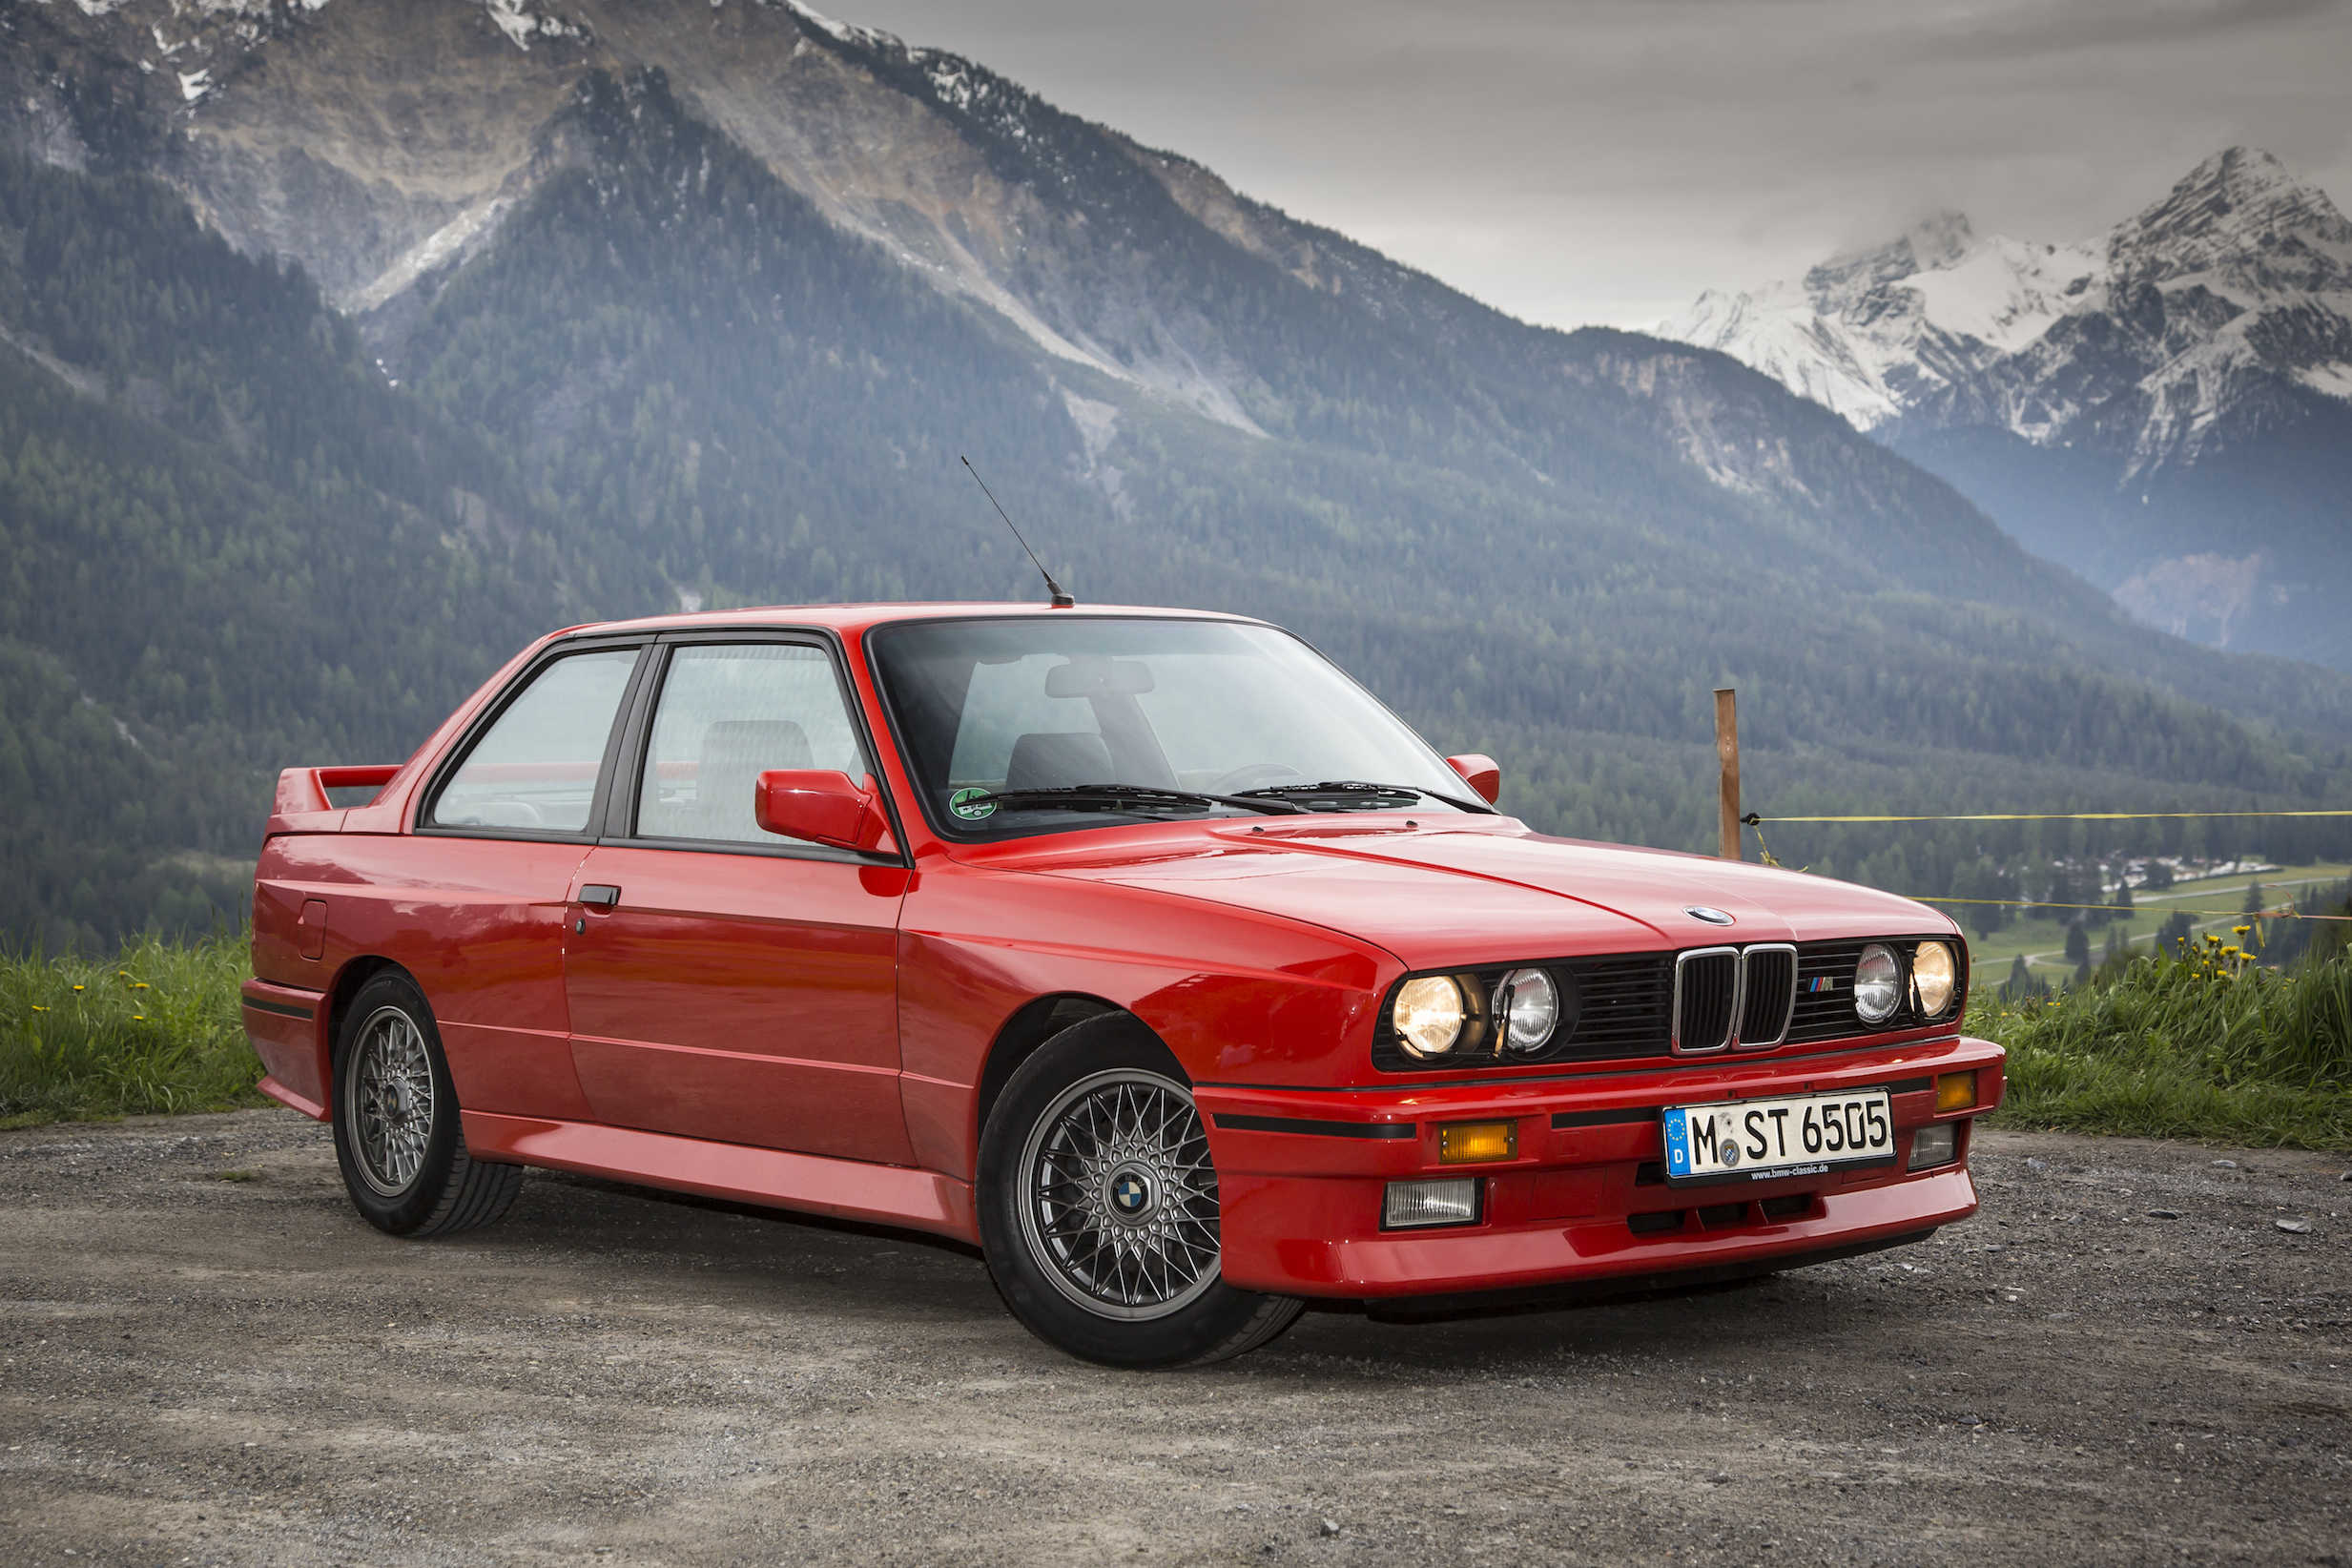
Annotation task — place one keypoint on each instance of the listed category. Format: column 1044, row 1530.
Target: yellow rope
column 2286, row 912
column 1752, row 819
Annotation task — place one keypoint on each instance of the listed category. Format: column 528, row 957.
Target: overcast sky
column 1604, row 160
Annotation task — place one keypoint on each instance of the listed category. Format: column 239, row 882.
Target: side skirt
column 291, row 1101
column 846, row 1190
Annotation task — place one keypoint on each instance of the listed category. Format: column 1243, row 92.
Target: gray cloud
column 1602, row 161
column 2025, row 30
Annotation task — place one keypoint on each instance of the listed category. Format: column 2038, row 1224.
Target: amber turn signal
column 1467, row 1143
column 1955, row 1091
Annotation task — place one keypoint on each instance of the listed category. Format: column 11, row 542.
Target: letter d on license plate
column 1762, row 1139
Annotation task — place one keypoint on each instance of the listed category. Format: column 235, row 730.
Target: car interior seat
column 1051, row 762
column 734, row 754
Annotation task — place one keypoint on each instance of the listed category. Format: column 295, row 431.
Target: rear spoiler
column 305, row 790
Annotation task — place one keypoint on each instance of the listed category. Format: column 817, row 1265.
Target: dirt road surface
column 206, row 1358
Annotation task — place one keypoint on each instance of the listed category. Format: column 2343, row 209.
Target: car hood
column 1480, row 890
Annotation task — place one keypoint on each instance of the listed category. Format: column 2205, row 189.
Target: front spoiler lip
column 1477, row 1259
column 1345, row 1132
column 1300, row 1174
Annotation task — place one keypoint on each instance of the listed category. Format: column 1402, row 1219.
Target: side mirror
column 1482, row 773
column 821, row 807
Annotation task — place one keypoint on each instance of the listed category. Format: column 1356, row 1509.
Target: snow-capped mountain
column 2167, row 407
column 1879, row 332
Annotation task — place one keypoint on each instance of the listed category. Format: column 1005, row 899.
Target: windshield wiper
column 1357, row 788
column 1140, row 798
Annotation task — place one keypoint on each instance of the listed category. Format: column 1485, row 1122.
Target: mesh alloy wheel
column 398, row 1140
column 389, row 1100
column 1119, row 1203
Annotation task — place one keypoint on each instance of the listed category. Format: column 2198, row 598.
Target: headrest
column 744, row 748
column 1052, row 762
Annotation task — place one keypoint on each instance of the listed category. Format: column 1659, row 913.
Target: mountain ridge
column 718, row 294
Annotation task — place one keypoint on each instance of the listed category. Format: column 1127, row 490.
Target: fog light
column 1955, row 1091
column 1467, row 1143
column 1411, row 1204
column 1934, row 1146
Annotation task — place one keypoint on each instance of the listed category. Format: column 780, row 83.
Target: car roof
column 848, row 619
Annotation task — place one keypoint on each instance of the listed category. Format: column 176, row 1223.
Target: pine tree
column 2020, row 982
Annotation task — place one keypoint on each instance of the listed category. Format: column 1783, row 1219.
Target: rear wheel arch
column 348, row 981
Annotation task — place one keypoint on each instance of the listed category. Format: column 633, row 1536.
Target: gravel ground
column 206, row 1358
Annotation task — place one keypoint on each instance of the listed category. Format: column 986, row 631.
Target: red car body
column 828, row 1035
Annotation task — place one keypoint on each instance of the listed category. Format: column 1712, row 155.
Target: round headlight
column 1428, row 1015
column 1534, row 1009
column 1878, row 983
column 1934, row 973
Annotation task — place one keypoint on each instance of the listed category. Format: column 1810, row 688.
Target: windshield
column 1017, row 725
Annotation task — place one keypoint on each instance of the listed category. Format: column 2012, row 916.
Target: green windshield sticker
column 972, row 805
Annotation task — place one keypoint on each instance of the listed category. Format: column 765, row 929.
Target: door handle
column 600, row 896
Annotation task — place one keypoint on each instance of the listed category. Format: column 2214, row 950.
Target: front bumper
column 1301, row 1175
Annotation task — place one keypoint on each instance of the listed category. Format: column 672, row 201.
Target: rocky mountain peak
column 1937, row 240
column 2242, row 214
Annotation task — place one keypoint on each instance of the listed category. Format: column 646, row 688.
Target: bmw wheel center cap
column 1130, row 1193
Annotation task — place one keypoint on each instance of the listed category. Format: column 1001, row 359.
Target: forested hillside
column 225, row 544
column 244, row 526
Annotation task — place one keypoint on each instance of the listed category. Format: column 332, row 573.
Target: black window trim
column 455, row 759
column 619, row 806
column 959, row 834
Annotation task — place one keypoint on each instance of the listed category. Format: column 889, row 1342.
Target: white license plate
column 1764, row 1140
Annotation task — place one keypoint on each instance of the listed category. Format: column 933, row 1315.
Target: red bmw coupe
column 1142, row 948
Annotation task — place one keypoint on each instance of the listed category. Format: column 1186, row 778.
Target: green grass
column 153, row 1028
column 2163, row 1051
column 2174, row 1049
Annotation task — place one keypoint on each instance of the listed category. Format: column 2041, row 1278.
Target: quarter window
column 535, row 768
column 728, row 713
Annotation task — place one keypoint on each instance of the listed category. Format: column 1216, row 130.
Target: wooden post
column 1728, row 753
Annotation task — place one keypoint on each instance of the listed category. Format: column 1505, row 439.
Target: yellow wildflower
column 38, row 1008
column 2239, row 930
column 139, row 985
column 77, row 988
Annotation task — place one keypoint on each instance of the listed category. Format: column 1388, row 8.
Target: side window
column 728, row 713
column 536, row 766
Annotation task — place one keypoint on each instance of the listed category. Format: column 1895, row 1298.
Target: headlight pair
column 1878, row 980
column 1434, row 1014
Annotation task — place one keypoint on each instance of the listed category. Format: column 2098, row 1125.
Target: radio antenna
column 1062, row 599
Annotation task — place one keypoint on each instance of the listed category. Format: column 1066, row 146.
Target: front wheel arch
column 1021, row 1036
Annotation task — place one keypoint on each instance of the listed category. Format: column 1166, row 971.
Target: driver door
column 724, row 983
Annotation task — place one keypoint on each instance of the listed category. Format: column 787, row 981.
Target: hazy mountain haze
column 1575, row 161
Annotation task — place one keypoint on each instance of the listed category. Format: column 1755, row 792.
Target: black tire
column 1067, row 1294
column 405, row 1166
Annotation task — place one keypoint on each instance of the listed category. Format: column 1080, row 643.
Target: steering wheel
column 1254, row 775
